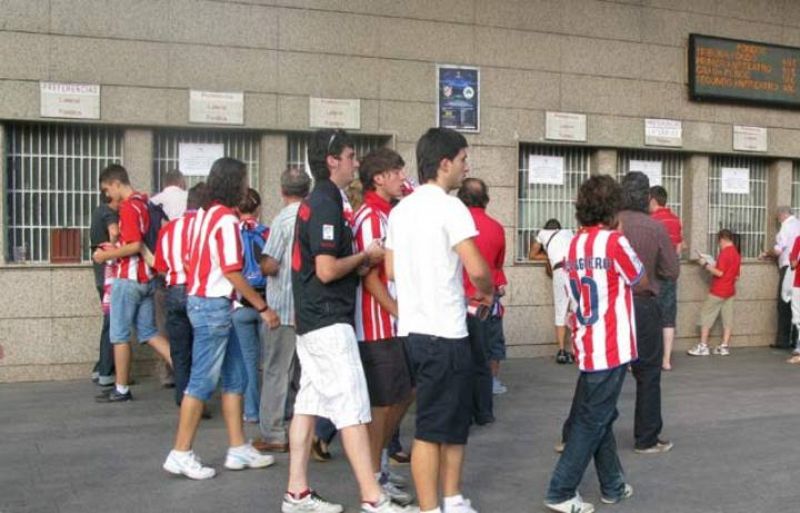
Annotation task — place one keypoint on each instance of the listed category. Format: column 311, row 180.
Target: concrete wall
column 617, row 61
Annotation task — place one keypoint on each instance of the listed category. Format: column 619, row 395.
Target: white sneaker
column 722, row 350
column 396, row 479
column 246, row 456
column 187, row 464
column 385, row 505
column 699, row 350
column 465, row 506
column 498, row 388
column 311, row 503
column 573, row 505
column 627, row 493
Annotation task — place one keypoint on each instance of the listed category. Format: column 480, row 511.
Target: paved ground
column 734, row 421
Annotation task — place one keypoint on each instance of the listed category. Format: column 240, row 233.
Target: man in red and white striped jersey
column 213, row 276
column 171, row 251
column 133, row 290
column 602, row 268
column 382, row 352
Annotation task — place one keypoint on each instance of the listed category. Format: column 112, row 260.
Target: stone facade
column 619, row 62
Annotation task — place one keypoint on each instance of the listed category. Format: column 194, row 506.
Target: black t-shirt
column 321, row 229
column 102, row 217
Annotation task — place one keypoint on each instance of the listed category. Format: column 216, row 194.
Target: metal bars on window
column 52, row 177
column 540, row 202
column 298, row 146
column 744, row 214
column 671, row 172
column 244, row 146
column 796, row 187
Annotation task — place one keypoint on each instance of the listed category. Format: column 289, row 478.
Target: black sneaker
column 561, row 357
column 570, row 357
column 112, row 396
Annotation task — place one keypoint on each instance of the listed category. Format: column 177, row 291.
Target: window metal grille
column 540, row 202
column 796, row 187
column 744, row 214
column 52, row 175
column 298, row 146
column 245, row 146
column 671, row 172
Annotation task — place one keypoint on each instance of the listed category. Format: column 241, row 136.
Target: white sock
column 437, row 510
column 122, row 389
column 181, row 454
column 454, row 500
column 238, row 447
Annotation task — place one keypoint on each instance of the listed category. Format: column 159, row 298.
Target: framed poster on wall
column 458, row 98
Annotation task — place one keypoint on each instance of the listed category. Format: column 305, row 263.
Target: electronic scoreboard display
column 722, row 69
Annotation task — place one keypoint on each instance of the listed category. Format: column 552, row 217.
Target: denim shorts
column 132, row 305
column 215, row 353
column 497, row 340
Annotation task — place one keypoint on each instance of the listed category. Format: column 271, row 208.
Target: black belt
column 558, row 266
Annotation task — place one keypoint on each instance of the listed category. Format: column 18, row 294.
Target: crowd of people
column 349, row 307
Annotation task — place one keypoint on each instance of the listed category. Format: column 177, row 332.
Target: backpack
column 253, row 241
column 158, row 218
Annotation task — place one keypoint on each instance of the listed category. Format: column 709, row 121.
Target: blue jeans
column 325, row 430
column 132, row 305
column 215, row 353
column 480, row 343
column 591, row 435
column 247, row 324
column 179, row 330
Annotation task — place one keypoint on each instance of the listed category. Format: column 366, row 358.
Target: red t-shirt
column 491, row 242
column 134, row 221
column 729, row 262
column 794, row 256
column 671, row 222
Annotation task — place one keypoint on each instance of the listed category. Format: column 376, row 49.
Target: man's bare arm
column 477, row 269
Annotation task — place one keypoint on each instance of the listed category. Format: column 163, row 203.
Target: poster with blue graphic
column 458, row 98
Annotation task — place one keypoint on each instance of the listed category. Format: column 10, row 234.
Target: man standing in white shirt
column 790, row 230
column 430, row 236
column 173, row 197
column 552, row 243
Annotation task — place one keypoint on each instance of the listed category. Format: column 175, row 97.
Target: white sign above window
column 749, row 138
column 215, row 108
column 652, row 168
column 565, row 126
column 735, row 180
column 334, row 113
column 73, row 101
column 663, row 132
column 546, row 170
column 196, row 159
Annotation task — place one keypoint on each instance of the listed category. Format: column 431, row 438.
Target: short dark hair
column 552, row 224
column 250, row 202
column 114, row 172
column 636, row 191
column 173, row 177
column 659, row 194
column 295, row 182
column 473, row 193
column 323, row 143
column 376, row 162
column 196, row 197
column 435, row 145
column 730, row 235
column 599, row 200
column 226, row 182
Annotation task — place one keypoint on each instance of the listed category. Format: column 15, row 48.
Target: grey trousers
column 279, row 367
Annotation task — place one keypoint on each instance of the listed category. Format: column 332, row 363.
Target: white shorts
column 560, row 296
column 332, row 382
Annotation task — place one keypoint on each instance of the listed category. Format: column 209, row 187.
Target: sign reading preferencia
column 743, row 71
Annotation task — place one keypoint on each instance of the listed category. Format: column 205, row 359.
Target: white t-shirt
column 173, row 200
column 422, row 233
column 790, row 230
column 558, row 247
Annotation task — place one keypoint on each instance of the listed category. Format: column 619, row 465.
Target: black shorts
column 444, row 375
column 386, row 370
column 668, row 302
